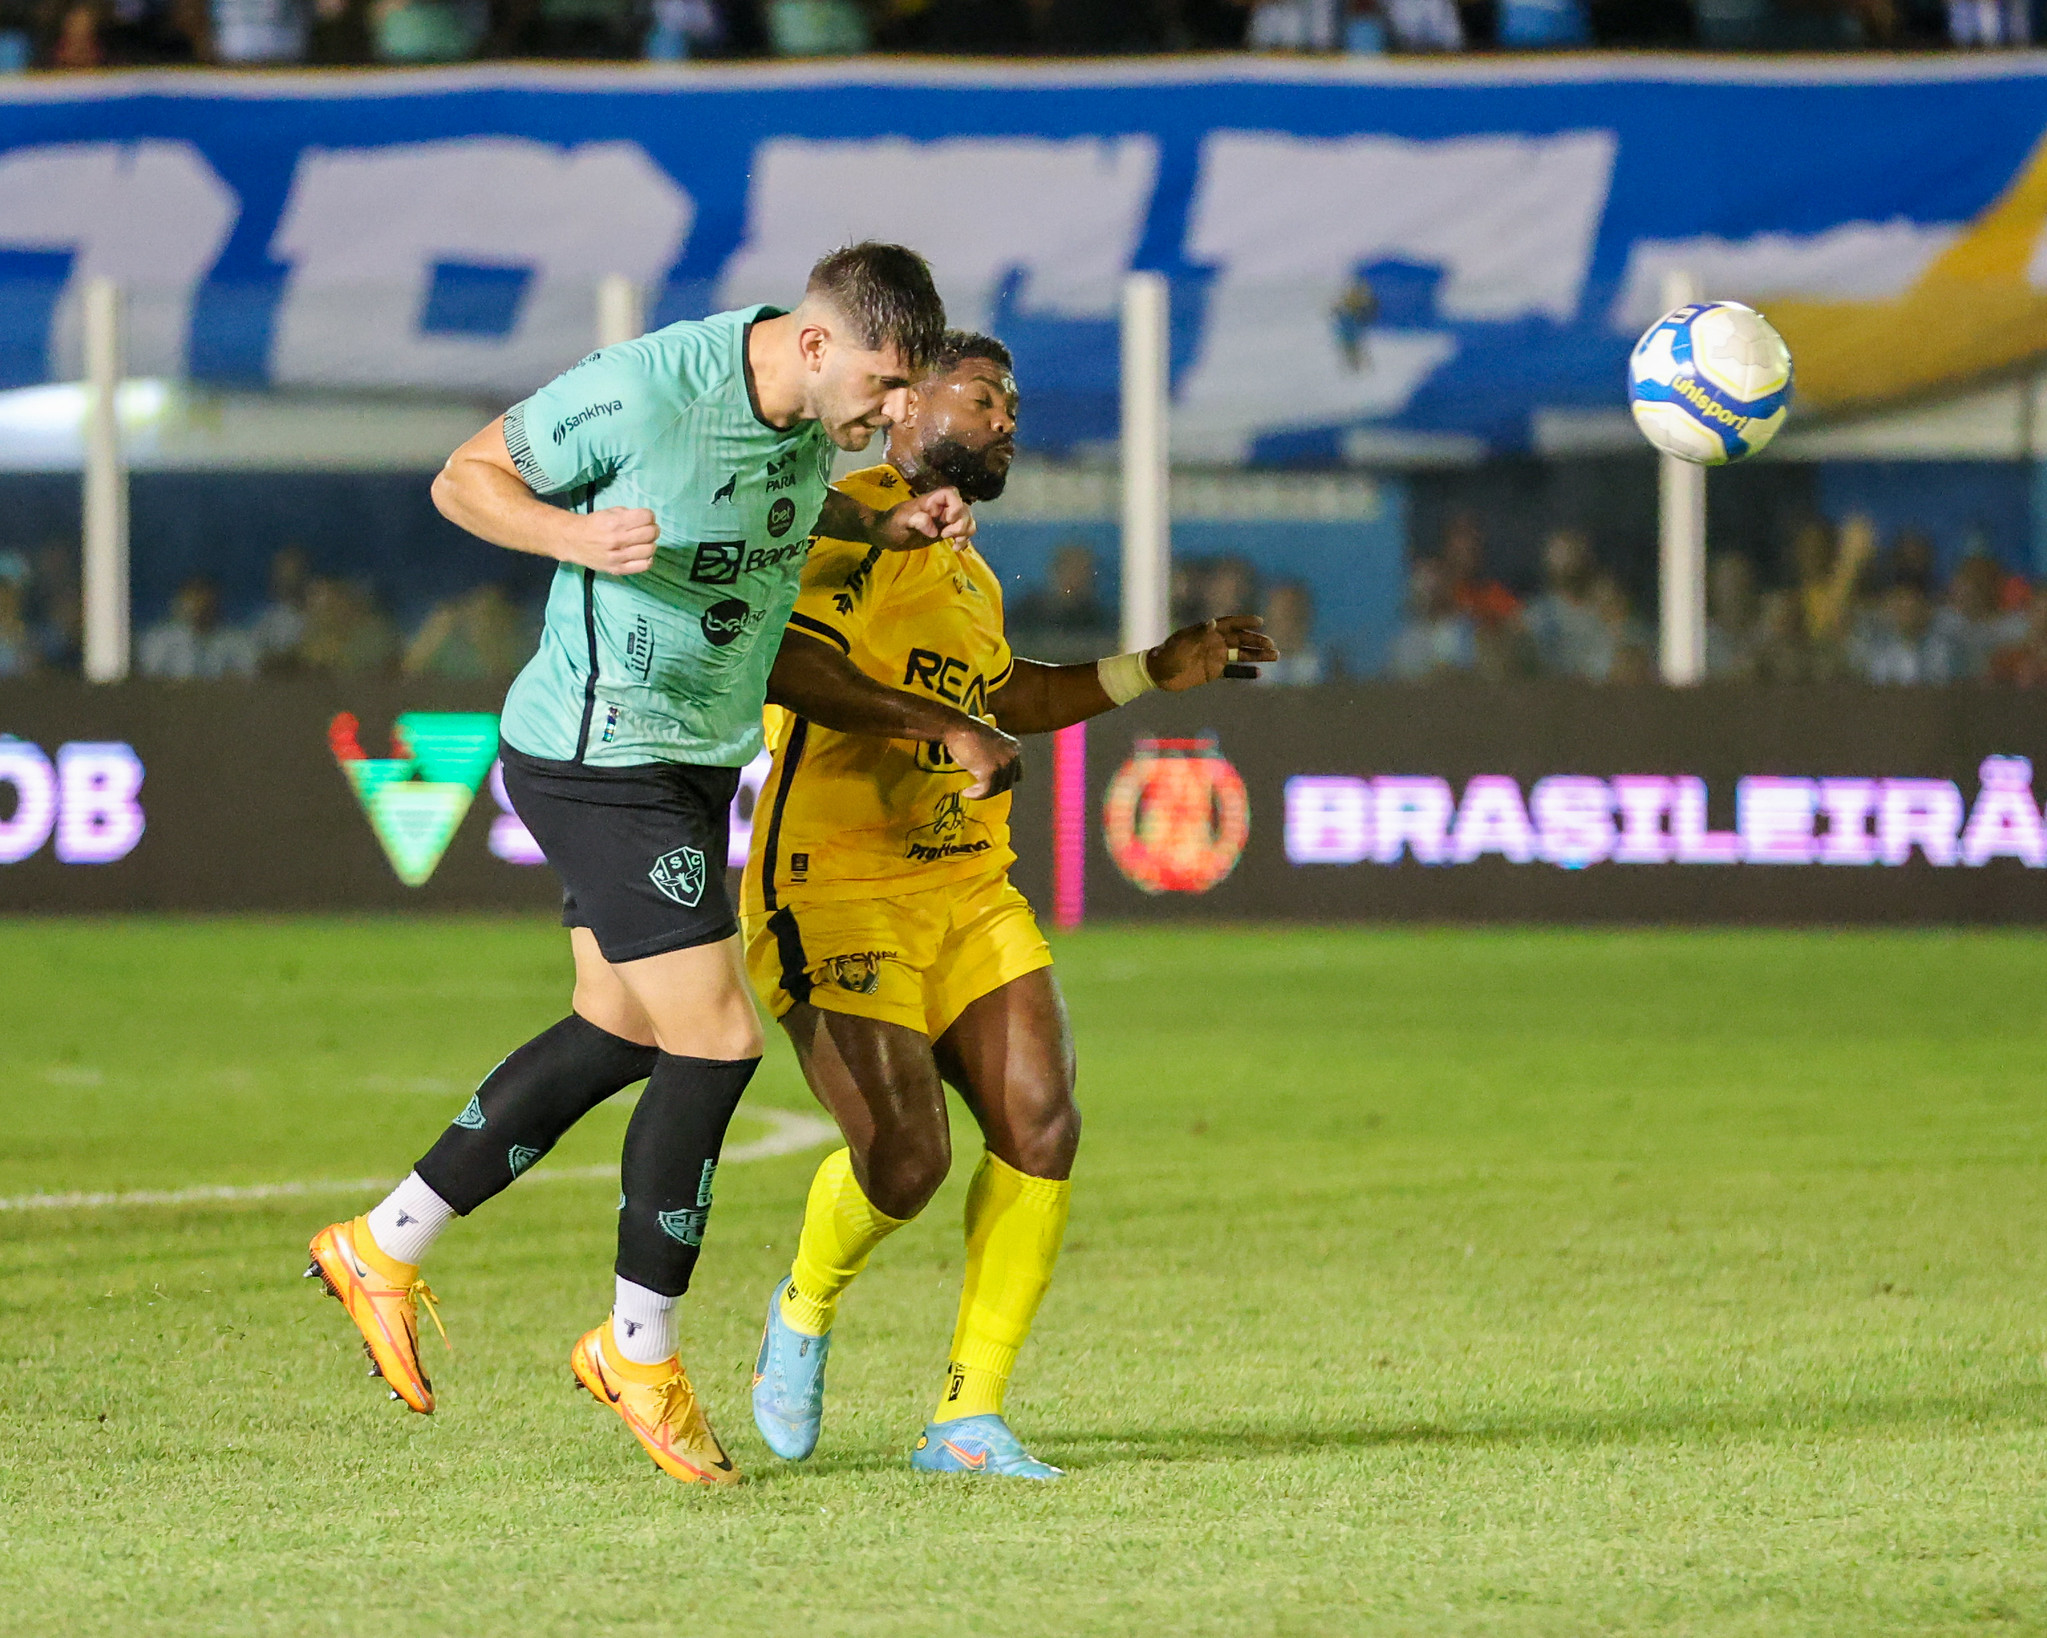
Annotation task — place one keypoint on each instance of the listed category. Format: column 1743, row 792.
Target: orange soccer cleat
column 383, row 1299
column 663, row 1412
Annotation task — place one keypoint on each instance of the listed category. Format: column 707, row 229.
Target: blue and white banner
column 1366, row 258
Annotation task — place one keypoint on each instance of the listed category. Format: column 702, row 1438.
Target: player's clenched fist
column 1194, row 655
column 925, row 518
column 985, row 751
column 617, row 540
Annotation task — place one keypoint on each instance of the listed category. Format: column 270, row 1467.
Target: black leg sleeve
column 524, row 1106
column 671, row 1155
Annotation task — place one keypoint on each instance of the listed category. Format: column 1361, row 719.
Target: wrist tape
column 1124, row 677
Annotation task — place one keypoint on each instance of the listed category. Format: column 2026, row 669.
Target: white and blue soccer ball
column 1710, row 382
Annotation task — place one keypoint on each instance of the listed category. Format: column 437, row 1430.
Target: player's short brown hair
column 886, row 292
column 960, row 345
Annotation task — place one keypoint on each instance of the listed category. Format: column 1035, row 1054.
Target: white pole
column 105, row 566
column 1682, row 553
column 619, row 313
column 1147, row 472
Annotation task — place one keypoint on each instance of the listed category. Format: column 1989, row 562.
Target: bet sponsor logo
column 589, row 412
column 781, row 516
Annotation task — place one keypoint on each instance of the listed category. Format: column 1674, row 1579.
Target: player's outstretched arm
column 480, row 490
column 916, row 522
column 816, row 681
column 1038, row 699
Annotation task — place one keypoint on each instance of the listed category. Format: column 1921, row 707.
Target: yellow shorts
column 918, row 959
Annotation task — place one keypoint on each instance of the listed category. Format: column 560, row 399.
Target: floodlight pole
column 621, row 315
column 1147, row 471
column 1682, row 547
column 104, row 557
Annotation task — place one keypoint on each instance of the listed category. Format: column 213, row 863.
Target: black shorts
column 640, row 851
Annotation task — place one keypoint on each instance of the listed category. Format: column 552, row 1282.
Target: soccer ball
column 1709, row 382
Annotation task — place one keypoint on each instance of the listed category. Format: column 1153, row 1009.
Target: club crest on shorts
column 680, row 876
column 860, row 974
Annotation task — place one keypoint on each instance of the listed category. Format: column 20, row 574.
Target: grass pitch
column 1418, row 1282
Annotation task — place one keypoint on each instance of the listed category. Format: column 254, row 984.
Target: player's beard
column 970, row 471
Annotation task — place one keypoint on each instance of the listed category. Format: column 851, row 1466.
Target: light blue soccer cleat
column 788, row 1384
column 978, row 1444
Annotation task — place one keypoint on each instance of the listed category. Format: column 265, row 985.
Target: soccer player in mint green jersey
column 678, row 480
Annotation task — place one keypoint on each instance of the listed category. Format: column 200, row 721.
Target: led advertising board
column 1532, row 803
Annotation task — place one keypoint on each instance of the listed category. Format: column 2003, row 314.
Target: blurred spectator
column 78, row 38
column 1973, row 623
column 1901, row 646
column 1290, row 623
column 1295, row 25
column 1989, row 22
column 281, row 623
column 346, row 634
column 1437, row 637
column 192, row 644
column 1425, row 25
column 261, row 31
column 2022, row 663
column 1731, row 618
column 1779, row 653
column 1626, row 653
column 1563, row 625
column 1542, row 24
column 1229, row 587
column 1830, row 568
column 1487, row 603
column 477, row 637
column 60, row 605
column 1068, row 601
column 425, row 31
column 18, row 650
column 144, row 32
column 1911, row 561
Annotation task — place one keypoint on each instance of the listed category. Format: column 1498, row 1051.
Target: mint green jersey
column 670, row 665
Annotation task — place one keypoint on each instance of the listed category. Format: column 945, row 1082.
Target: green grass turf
column 1418, row 1282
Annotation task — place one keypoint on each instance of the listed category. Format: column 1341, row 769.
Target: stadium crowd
column 1847, row 609
column 85, row 34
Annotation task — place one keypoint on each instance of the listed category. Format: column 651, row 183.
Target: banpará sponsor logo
column 589, row 412
column 722, row 562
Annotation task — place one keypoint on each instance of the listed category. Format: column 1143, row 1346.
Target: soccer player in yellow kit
column 882, row 929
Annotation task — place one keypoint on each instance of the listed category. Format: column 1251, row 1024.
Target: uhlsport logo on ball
column 1710, row 382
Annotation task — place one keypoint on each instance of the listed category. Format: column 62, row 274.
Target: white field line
column 791, row 1134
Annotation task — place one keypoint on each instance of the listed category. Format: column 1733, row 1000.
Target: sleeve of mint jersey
column 582, row 425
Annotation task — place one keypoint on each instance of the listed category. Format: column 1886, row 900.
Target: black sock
column 671, row 1154
column 524, row 1106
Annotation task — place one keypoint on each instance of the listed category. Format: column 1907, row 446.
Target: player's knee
column 1050, row 1138
column 727, row 1030
column 905, row 1170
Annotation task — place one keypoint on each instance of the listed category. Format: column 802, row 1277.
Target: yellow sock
column 1014, row 1225
column 841, row 1228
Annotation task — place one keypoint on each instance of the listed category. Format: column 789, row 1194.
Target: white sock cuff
column 407, row 1221
column 643, row 1323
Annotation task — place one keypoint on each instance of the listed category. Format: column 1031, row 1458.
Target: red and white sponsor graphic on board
column 1176, row 816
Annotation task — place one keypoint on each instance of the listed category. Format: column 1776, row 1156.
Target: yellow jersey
column 850, row 816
